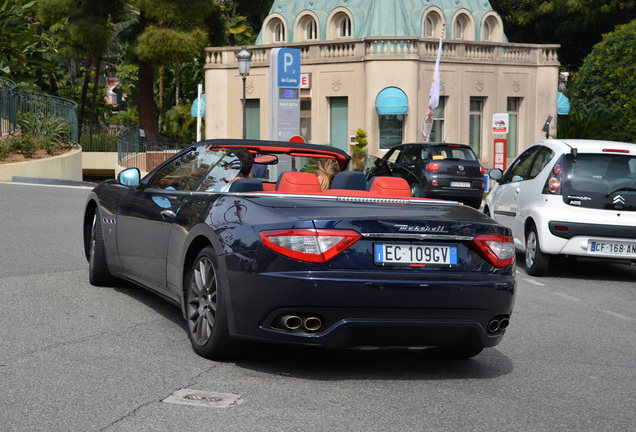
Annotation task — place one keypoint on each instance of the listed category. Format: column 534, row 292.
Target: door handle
column 167, row 214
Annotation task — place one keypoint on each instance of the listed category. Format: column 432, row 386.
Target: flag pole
column 433, row 102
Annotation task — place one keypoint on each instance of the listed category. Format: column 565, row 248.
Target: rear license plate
column 415, row 255
column 460, row 184
column 612, row 248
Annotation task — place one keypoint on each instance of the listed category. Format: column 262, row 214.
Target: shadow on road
column 335, row 365
column 582, row 268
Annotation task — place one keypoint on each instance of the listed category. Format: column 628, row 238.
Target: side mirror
column 130, row 177
column 496, row 174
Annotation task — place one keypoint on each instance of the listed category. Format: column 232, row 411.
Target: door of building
column 339, row 122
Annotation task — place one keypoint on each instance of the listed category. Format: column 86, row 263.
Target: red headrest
column 394, row 187
column 299, row 182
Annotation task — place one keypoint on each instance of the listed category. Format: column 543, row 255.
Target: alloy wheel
column 202, row 301
column 531, row 248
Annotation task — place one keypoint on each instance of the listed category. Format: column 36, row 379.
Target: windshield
column 373, row 166
column 600, row 181
column 198, row 169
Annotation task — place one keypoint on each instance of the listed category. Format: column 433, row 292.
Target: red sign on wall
column 500, row 153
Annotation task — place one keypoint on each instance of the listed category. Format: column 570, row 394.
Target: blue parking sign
column 289, row 67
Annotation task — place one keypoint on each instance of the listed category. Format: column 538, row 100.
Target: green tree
column 86, row 30
column 577, row 25
column 171, row 31
column 20, row 44
column 605, row 85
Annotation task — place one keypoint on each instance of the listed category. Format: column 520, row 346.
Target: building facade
column 369, row 64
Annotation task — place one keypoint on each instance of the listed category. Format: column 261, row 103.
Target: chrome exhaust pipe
column 312, row 323
column 494, row 325
column 504, row 323
column 291, row 322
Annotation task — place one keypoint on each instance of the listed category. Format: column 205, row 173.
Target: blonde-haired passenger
column 326, row 170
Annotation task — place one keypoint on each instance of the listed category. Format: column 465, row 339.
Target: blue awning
column 392, row 100
column 563, row 104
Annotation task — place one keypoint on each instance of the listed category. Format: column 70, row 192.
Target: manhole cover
column 203, row 398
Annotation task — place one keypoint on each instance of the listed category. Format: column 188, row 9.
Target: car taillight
column 432, row 167
column 498, row 250
column 309, row 245
column 482, row 170
column 554, row 185
column 555, row 180
column 615, row 151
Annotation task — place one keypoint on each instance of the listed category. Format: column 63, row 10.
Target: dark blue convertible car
column 273, row 257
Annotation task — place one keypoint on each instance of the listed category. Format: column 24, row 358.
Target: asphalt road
column 74, row 357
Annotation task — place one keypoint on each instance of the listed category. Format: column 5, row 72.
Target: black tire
column 206, row 312
column 536, row 261
column 452, row 353
column 98, row 273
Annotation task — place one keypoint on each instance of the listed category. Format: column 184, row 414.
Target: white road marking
column 49, row 185
column 533, row 282
column 617, row 315
column 568, row 297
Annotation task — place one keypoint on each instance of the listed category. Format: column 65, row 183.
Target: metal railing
column 145, row 155
column 33, row 102
column 8, row 106
column 100, row 138
column 15, row 99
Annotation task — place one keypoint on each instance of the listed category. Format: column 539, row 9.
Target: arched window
column 492, row 28
column 433, row 24
column 344, row 26
column 278, row 34
column 311, row 30
column 459, row 28
column 429, row 26
column 486, row 31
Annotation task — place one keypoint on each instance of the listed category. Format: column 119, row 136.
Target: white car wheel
column 536, row 261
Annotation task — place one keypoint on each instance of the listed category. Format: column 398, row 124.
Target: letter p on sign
column 287, row 61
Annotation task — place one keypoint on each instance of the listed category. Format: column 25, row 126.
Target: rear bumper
column 454, row 194
column 574, row 238
column 362, row 309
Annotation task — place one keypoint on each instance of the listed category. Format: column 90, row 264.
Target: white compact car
column 573, row 198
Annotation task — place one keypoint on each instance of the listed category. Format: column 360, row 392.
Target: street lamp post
column 243, row 58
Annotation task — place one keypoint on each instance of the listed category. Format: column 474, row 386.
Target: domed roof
column 384, row 18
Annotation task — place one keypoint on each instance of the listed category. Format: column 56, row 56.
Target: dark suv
column 442, row 170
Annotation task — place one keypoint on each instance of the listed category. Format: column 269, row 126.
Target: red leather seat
column 299, row 182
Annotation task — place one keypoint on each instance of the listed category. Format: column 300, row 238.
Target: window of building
column 432, row 25
column 475, row 124
column 391, row 130
column 279, row 32
column 344, row 26
column 512, row 140
column 460, row 27
column 437, row 132
column 429, row 26
column 491, row 29
column 487, row 31
column 311, row 30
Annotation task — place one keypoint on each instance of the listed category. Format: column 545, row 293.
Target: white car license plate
column 612, row 248
column 460, row 184
column 415, row 255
